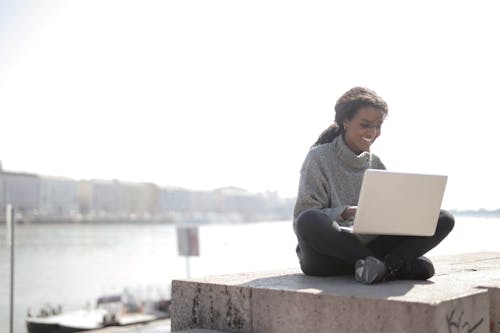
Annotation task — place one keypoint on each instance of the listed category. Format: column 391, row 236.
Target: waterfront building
column 237, row 200
column 22, row 190
column 47, row 198
column 105, row 198
column 117, row 200
column 2, row 201
column 58, row 196
column 174, row 199
column 85, row 197
column 138, row 199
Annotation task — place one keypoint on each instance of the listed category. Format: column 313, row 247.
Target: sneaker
column 418, row 269
column 370, row 270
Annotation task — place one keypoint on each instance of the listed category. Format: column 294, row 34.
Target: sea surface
column 73, row 264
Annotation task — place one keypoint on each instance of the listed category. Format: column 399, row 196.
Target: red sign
column 188, row 241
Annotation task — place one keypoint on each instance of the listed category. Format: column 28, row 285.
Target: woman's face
column 362, row 130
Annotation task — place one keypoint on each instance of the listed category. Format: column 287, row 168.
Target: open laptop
column 395, row 203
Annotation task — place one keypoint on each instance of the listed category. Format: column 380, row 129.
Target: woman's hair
column 346, row 108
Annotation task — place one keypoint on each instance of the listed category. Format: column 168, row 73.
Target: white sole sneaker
column 370, row 270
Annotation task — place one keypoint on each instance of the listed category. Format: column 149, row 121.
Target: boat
column 112, row 310
column 73, row 321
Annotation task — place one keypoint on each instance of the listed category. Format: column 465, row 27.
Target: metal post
column 188, row 270
column 9, row 214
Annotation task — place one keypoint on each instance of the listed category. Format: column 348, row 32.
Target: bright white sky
column 205, row 94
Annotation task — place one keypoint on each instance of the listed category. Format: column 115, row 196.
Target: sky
column 207, row 94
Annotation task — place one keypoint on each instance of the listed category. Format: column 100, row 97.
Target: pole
column 10, row 243
column 188, row 271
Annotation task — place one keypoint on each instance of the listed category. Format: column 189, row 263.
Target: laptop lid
column 395, row 203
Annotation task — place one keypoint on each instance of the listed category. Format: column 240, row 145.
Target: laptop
column 395, row 203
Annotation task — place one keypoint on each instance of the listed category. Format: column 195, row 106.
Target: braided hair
column 346, row 108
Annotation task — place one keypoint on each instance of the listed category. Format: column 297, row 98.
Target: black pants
column 325, row 251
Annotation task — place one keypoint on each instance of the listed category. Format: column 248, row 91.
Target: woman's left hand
column 349, row 213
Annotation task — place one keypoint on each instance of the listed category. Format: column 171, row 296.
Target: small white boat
column 67, row 322
column 113, row 310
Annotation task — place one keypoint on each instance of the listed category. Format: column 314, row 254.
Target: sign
column 188, row 241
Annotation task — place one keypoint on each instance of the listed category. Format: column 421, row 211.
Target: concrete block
column 464, row 296
column 481, row 270
column 278, row 311
column 201, row 330
column 338, row 304
column 494, row 297
column 210, row 306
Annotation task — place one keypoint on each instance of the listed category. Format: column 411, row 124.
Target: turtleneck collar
column 347, row 156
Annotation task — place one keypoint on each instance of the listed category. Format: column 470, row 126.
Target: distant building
column 85, row 190
column 105, row 200
column 2, row 192
column 21, row 190
column 58, row 196
column 46, row 198
column 237, row 200
column 174, row 199
column 138, row 199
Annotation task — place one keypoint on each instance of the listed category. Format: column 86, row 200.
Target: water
column 74, row 264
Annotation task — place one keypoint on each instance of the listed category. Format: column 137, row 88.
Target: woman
column 329, row 187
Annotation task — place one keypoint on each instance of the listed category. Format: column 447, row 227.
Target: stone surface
column 210, row 305
column 277, row 311
column 481, row 270
column 464, row 296
column 201, row 330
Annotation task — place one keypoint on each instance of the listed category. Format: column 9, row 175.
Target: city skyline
column 22, row 172
column 207, row 95
column 40, row 198
column 479, row 210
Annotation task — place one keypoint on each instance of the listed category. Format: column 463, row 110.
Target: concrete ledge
column 201, row 330
column 464, row 296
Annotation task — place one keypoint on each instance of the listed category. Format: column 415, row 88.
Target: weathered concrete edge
column 239, row 308
column 281, row 311
column 494, row 306
column 468, row 277
column 211, row 306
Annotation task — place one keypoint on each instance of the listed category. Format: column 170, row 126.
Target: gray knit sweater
column 330, row 178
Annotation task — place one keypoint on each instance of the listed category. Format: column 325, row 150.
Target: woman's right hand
column 349, row 213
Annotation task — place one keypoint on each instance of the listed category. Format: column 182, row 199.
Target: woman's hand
column 349, row 213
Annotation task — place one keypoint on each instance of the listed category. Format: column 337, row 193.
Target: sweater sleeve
column 377, row 163
column 315, row 191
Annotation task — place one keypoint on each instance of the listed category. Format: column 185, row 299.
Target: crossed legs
column 324, row 250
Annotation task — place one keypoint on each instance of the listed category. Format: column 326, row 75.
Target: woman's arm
column 315, row 190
